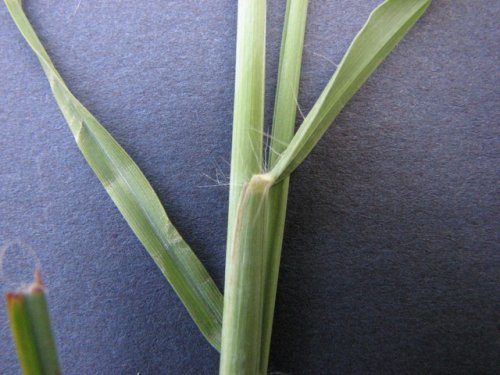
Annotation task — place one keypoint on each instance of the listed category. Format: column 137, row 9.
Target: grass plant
column 239, row 324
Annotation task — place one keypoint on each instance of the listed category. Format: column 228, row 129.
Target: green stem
column 285, row 112
column 242, row 314
column 255, row 243
column 248, row 117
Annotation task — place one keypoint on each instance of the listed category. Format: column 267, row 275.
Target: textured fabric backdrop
column 390, row 263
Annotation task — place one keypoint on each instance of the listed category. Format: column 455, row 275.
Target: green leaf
column 37, row 306
column 385, row 27
column 23, row 334
column 135, row 198
column 32, row 331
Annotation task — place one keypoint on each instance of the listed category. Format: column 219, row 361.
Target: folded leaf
column 135, row 198
column 31, row 329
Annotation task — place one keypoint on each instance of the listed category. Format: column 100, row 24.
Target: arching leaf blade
column 135, row 198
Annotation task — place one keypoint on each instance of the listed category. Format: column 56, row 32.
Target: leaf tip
column 37, row 285
column 13, row 297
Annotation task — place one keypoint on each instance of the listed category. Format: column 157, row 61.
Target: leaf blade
column 385, row 27
column 133, row 195
column 36, row 304
column 23, row 334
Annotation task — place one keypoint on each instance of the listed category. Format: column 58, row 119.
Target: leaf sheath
column 243, row 296
column 241, row 328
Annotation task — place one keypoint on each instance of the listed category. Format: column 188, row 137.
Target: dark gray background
column 391, row 261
